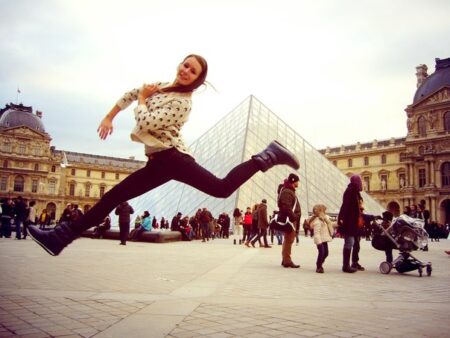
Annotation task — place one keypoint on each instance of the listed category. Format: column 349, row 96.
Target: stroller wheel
column 385, row 267
column 429, row 269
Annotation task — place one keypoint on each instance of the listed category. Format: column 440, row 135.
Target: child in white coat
column 323, row 233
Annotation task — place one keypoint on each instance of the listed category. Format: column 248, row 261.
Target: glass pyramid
column 245, row 131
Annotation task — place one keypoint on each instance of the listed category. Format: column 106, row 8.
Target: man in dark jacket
column 7, row 216
column 289, row 209
column 21, row 213
column 124, row 210
column 175, row 224
column 224, row 221
column 205, row 218
column 350, row 222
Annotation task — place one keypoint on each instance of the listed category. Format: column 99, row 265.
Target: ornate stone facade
column 30, row 167
column 404, row 171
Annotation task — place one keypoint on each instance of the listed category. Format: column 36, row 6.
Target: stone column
column 433, row 210
column 412, row 173
column 408, row 175
column 432, row 174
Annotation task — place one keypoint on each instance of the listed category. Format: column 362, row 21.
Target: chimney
column 421, row 73
column 39, row 114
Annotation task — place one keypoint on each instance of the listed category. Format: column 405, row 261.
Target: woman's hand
column 105, row 128
column 146, row 91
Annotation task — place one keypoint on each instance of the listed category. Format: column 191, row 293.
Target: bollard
column 234, row 241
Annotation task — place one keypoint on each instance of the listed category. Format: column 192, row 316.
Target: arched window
column 366, row 160
column 87, row 189
column 445, row 172
column 383, row 159
column 36, row 167
column 5, row 164
column 19, row 183
column 22, row 149
column 72, row 189
column 447, row 121
column 421, row 150
column 3, row 183
column 350, row 163
column 53, row 169
column 422, row 178
column 52, row 186
column 6, row 147
column 422, row 123
column 34, row 185
column 366, row 183
column 102, row 190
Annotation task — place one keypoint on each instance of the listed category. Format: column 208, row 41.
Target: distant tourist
column 124, row 210
column 145, row 226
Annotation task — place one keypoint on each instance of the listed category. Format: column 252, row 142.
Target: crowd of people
column 19, row 213
column 202, row 225
column 254, row 226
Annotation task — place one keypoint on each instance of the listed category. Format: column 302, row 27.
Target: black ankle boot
column 274, row 154
column 346, row 262
column 54, row 240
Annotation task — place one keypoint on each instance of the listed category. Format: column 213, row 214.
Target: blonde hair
column 317, row 212
column 319, row 209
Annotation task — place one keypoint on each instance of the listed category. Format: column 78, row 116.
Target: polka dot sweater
column 159, row 120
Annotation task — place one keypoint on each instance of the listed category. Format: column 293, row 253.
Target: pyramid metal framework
column 245, row 131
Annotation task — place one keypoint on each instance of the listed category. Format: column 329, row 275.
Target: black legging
column 162, row 167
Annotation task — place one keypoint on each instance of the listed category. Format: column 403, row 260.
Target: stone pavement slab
column 97, row 288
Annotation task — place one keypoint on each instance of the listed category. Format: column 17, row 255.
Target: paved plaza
column 97, row 288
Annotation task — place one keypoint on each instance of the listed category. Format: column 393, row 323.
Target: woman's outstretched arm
column 106, row 126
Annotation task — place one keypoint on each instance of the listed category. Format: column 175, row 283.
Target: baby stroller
column 405, row 234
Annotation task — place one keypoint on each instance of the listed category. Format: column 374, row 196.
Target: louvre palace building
column 406, row 170
column 397, row 172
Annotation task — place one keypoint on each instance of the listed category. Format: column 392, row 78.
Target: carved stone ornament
column 421, row 73
column 442, row 96
column 432, row 118
column 409, row 124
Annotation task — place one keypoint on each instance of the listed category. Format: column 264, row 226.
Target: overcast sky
column 338, row 72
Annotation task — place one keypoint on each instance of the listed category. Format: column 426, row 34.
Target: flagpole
column 17, row 95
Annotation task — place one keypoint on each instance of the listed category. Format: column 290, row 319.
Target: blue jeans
column 352, row 242
column 279, row 236
column 205, row 231
column 19, row 223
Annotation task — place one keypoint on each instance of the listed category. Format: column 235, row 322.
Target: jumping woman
column 162, row 110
